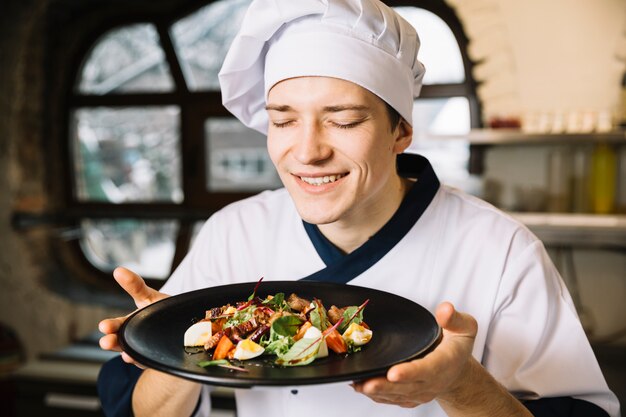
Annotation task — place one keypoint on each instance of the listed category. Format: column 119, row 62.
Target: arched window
column 152, row 152
column 448, row 104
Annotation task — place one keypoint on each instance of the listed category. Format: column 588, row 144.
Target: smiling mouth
column 327, row 179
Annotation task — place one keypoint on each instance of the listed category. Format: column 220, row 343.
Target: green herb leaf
column 241, row 316
column 349, row 312
column 277, row 302
column 352, row 314
column 222, row 363
column 286, row 325
column 204, row 364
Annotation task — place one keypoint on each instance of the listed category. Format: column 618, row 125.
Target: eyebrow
column 326, row 109
column 277, row 107
column 344, row 107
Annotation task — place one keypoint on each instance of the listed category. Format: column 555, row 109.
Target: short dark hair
column 394, row 116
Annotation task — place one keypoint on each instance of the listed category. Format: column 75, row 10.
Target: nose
column 311, row 147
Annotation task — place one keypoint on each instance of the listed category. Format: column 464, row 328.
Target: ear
column 403, row 136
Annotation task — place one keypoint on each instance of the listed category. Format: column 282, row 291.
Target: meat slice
column 217, row 312
column 297, row 303
column 335, row 314
column 213, row 341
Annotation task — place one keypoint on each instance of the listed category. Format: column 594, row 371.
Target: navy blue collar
column 342, row 268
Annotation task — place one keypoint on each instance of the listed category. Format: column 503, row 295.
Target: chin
column 316, row 217
column 317, row 209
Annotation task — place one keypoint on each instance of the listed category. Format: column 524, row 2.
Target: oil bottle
column 603, row 178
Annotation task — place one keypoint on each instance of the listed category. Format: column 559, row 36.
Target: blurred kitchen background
column 114, row 147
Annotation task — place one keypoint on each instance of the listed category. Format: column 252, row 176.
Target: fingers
column 459, row 332
column 135, row 286
column 454, row 321
column 110, row 342
column 142, row 295
column 444, row 313
column 370, row 387
column 385, row 392
column 108, row 326
column 419, row 370
column 126, row 358
column 421, row 380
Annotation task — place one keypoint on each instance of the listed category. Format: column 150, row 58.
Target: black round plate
column 403, row 330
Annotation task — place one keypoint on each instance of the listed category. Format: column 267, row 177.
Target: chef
column 332, row 84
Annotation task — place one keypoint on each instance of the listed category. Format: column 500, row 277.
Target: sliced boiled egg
column 315, row 333
column 357, row 334
column 198, row 334
column 247, row 349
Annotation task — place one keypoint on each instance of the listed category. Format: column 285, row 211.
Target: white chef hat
column 362, row 41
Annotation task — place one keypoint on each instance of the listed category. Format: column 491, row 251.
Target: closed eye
column 281, row 124
column 347, row 125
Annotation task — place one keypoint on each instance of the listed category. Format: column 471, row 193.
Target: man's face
column 334, row 149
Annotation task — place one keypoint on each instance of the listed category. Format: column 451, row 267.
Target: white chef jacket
column 461, row 250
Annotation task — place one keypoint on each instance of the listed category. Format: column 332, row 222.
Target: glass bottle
column 559, row 180
column 603, row 179
column 580, row 179
column 621, row 181
column 622, row 110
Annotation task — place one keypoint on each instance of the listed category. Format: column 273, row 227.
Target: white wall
column 546, row 55
column 567, row 52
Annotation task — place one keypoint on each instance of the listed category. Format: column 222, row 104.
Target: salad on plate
column 292, row 330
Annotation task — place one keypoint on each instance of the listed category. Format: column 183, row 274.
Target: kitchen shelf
column 577, row 230
column 480, row 140
column 519, row 137
column 63, row 383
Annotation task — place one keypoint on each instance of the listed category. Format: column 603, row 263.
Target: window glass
column 146, row 247
column 442, row 116
column 202, row 39
column 439, row 50
column 237, row 158
column 127, row 154
column 127, row 59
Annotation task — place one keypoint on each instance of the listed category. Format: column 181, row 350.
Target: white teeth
column 321, row 180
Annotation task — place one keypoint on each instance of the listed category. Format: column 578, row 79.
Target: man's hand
column 448, row 374
column 141, row 294
column 437, row 374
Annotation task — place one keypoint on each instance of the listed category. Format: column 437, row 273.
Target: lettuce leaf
column 319, row 316
column 279, row 346
column 302, row 352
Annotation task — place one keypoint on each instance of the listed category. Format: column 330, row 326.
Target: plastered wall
column 546, row 56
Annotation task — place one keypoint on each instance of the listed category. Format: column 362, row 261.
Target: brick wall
column 43, row 320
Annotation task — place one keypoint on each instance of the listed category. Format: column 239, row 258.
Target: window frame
column 469, row 86
column 195, row 107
